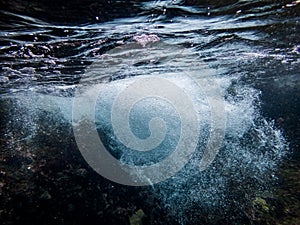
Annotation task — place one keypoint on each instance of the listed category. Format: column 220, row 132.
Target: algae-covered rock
column 261, row 204
column 46, row 196
column 137, row 218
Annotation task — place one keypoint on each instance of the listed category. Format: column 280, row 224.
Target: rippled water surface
column 54, row 51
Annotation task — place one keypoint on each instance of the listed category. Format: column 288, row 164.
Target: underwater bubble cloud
column 178, row 85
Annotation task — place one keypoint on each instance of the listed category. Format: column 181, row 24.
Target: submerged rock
column 46, row 196
column 261, row 204
column 137, row 218
column 144, row 39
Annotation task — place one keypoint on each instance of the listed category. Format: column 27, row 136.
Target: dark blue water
column 54, row 51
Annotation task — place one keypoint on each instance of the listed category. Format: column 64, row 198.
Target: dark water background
column 47, row 45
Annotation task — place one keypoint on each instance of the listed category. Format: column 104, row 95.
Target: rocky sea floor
column 50, row 183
